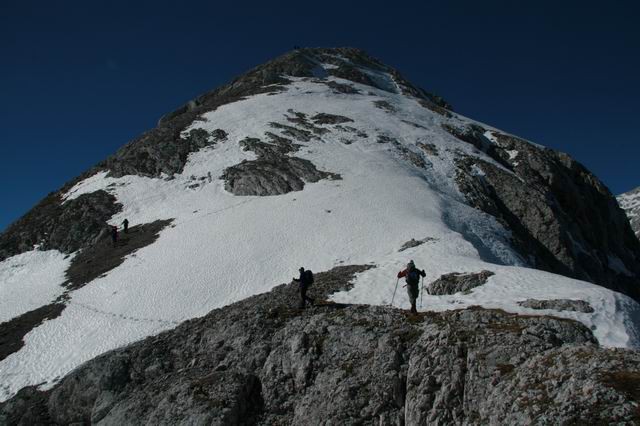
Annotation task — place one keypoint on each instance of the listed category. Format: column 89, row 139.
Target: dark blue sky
column 80, row 79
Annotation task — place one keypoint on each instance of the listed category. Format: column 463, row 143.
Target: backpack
column 413, row 276
column 308, row 277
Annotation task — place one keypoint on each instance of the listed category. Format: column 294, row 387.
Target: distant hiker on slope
column 114, row 235
column 125, row 223
column 412, row 276
column 305, row 281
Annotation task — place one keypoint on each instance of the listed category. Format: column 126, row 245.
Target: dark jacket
column 405, row 273
column 304, row 280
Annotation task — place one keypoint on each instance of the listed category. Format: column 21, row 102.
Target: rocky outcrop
column 558, row 305
column 261, row 361
column 53, row 225
column 630, row 203
column 560, row 215
column 457, row 282
column 324, row 118
column 274, row 172
column 415, row 243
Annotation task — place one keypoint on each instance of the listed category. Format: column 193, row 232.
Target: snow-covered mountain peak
column 319, row 158
column 630, row 203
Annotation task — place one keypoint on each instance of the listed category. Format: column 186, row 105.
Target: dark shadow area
column 12, row 331
column 104, row 256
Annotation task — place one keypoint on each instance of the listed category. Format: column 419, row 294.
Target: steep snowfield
column 222, row 248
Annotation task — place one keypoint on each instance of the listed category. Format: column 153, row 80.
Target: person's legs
column 303, row 296
column 412, row 291
column 309, row 299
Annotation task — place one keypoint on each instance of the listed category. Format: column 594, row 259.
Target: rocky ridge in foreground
column 260, row 361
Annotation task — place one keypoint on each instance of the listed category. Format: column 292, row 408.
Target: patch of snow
column 31, row 280
column 490, row 136
column 614, row 321
column 477, row 171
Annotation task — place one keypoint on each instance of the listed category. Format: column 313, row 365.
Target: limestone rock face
column 260, row 361
column 560, row 215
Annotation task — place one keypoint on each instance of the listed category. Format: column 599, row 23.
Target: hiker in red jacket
column 412, row 276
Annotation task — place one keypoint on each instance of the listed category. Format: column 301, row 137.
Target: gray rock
column 558, row 305
column 560, row 215
column 415, row 243
column 274, row 172
column 428, row 148
column 301, row 135
column 272, row 176
column 301, row 119
column 261, row 361
column 324, row 118
column 387, row 139
column 346, row 89
column 457, row 282
column 385, row 106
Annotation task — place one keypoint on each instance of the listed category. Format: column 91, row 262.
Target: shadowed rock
column 324, row 118
column 428, row 148
column 103, row 256
column 385, row 106
column 457, row 282
column 53, row 225
column 346, row 89
column 560, row 215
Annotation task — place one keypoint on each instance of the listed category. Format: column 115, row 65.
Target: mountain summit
column 323, row 158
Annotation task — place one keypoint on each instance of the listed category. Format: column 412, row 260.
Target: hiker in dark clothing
column 114, row 235
column 125, row 223
column 305, row 281
column 412, row 276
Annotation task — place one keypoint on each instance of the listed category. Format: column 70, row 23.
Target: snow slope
column 223, row 248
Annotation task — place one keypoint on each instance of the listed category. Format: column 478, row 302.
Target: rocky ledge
column 457, row 282
column 261, row 361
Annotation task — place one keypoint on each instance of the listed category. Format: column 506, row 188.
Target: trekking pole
column 394, row 291
column 421, row 292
